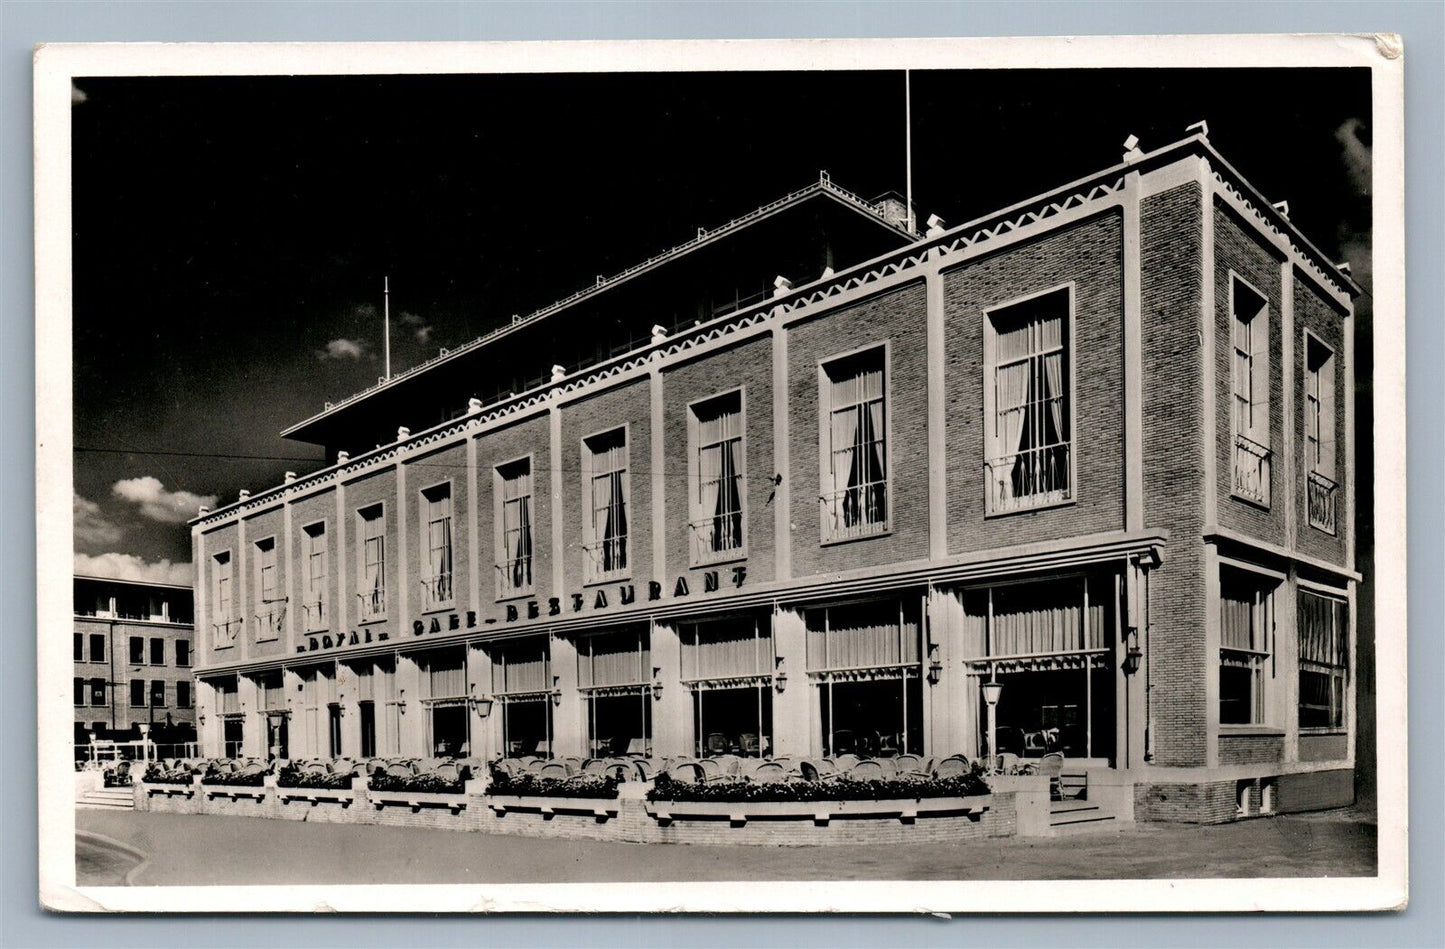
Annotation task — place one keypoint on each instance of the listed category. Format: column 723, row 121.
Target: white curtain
column 727, row 648
column 520, row 667
column 447, row 675
column 862, row 635
column 608, row 659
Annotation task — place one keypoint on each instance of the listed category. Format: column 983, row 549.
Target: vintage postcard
column 896, row 476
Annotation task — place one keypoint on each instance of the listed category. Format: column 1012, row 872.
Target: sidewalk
column 207, row 850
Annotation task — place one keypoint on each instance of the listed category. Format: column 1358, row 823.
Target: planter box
column 415, row 800
column 169, row 790
column 343, row 796
column 601, row 808
column 906, row 810
column 234, row 791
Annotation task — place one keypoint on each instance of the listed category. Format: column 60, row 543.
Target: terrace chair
column 730, row 763
column 400, row 770
column 525, row 760
column 867, row 770
column 374, row 765
column 889, row 766
column 637, row 748
column 427, row 765
column 826, row 766
column 785, row 760
column 622, row 770
column 553, row 769
column 448, row 771
column 845, row 763
column 770, row 772
column 536, row 765
column 953, row 766
column 808, row 770
column 687, row 772
column 1052, row 765
column 594, row 766
column 712, row 770
column 908, row 762
column 572, row 763
column 252, row 768
column 748, row 744
column 473, row 763
column 646, row 768
column 1007, row 761
column 716, row 744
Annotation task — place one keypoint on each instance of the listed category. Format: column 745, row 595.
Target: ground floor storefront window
column 614, row 675
column 448, row 716
column 233, row 735
column 1048, row 644
column 522, row 686
column 728, row 665
column 1323, row 660
column 1246, row 625
column 864, row 659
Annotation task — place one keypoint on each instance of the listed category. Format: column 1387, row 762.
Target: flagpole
column 386, row 323
column 908, row 143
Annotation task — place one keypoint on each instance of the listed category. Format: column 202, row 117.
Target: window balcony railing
column 436, row 591
column 515, row 575
column 1251, row 470
column 1035, row 477
column 270, row 623
column 859, row 511
column 1322, row 494
column 373, row 604
column 315, row 614
column 606, row 559
column 718, row 537
column 225, row 632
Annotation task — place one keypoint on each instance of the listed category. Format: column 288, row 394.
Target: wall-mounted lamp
column 657, row 682
column 1132, row 659
column 780, row 675
column 201, row 719
column 401, row 701
column 935, row 672
column 556, row 690
column 483, row 705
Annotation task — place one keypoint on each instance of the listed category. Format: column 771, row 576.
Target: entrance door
column 368, row 729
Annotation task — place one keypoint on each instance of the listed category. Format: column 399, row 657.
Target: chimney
column 203, row 511
column 342, row 457
column 290, row 476
column 403, row 433
column 245, row 493
column 894, row 208
column 474, row 405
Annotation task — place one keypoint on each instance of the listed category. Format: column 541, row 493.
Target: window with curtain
column 1323, row 661
column 223, row 620
column 269, row 601
column 437, row 535
column 728, row 666
column 514, row 565
column 855, row 482
column 1249, row 380
column 228, row 696
column 717, row 505
column 316, row 554
column 614, row 673
column 1320, row 434
column 522, row 686
column 865, row 661
column 273, row 693
column 371, row 578
column 1246, row 627
column 448, row 717
column 1029, row 459
column 607, row 496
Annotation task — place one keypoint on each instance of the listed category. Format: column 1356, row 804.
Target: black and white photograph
column 938, row 469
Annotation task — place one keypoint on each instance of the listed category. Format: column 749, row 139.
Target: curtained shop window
column 448, row 718
column 728, row 666
column 1246, row 628
column 1047, row 641
column 1029, row 461
column 1323, row 661
column 514, row 565
column 1320, row 434
column 314, row 549
column 716, row 520
column 371, row 578
column 865, row 660
column 608, row 488
column 614, row 675
column 1249, row 381
column 522, row 686
column 436, row 514
column 855, row 446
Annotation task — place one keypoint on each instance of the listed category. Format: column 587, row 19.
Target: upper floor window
column 1027, row 387
column 607, row 485
column 137, row 650
column 854, row 446
column 270, row 603
column 1323, row 660
column 79, row 691
column 314, row 549
column 371, row 578
column 183, row 652
column 436, row 514
column 1246, row 608
column 1249, row 381
column 1320, row 433
column 716, row 521
column 158, row 651
column 158, row 693
column 514, row 554
column 97, row 647
column 223, row 619
column 79, row 647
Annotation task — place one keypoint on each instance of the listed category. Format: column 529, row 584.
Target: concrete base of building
column 1217, row 802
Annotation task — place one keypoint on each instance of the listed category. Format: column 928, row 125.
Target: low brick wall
column 1219, row 801
column 998, row 817
column 1315, row 791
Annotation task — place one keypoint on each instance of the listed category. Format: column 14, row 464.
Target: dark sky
column 228, row 229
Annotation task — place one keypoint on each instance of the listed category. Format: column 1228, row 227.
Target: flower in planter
column 531, row 785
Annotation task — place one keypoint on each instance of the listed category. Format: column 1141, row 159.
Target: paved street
column 202, row 850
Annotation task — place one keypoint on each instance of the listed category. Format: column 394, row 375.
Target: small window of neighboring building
column 137, row 693
column 158, row 693
column 1246, row 605
column 79, row 647
column 158, row 651
column 715, row 429
column 97, row 692
column 137, row 650
column 608, row 489
column 436, row 523
column 1029, row 417
column 224, row 623
column 1249, row 379
column 183, row 694
column 854, row 446
column 183, row 652
column 79, row 691
column 1320, row 434
column 97, row 647
column 513, row 484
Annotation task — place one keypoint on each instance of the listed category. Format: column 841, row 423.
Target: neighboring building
column 1096, row 447
column 133, row 659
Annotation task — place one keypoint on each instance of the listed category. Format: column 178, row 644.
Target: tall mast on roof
column 908, row 144
column 386, row 324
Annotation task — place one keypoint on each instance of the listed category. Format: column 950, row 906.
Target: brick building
column 808, row 483
column 133, row 660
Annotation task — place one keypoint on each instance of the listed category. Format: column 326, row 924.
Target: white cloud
column 91, row 525
column 76, row 95
column 158, row 504
column 343, row 349
column 116, row 566
column 1355, row 154
column 419, row 326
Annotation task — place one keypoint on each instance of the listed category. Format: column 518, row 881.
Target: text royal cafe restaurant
column 810, row 484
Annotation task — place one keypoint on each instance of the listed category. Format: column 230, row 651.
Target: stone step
column 1096, row 824
column 1069, row 806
